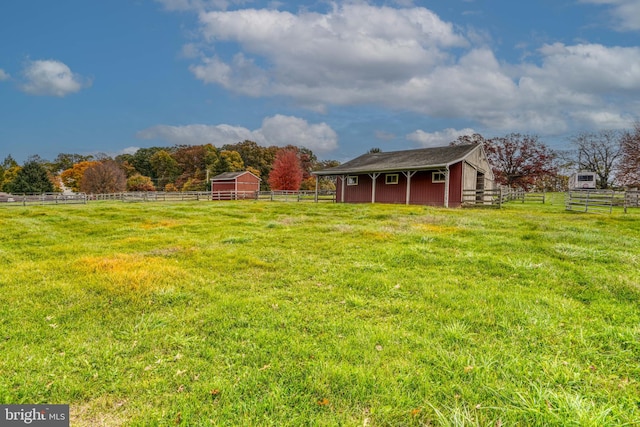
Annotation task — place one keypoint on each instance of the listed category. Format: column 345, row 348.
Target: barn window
column 391, row 178
column 352, row 180
column 437, row 177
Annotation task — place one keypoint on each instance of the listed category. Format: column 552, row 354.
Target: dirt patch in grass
column 103, row 411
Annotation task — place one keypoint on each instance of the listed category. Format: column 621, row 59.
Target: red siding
column 248, row 183
column 360, row 193
column 245, row 182
column 391, row 193
column 423, row 190
column 455, row 185
column 223, row 186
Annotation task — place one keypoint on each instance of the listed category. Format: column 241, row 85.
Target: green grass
column 259, row 313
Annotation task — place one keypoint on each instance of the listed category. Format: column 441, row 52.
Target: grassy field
column 302, row 314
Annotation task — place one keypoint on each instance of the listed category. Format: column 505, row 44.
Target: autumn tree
column 519, row 161
column 327, row 182
column 9, row 162
column 125, row 161
column 308, row 162
column 66, row 161
column 308, row 184
column 140, row 183
column 598, row 152
column 9, row 168
column 141, row 160
column 255, row 156
column 253, row 170
column 286, row 173
column 475, row 138
column 194, row 162
column 165, row 167
column 72, row 178
column 194, row 184
column 103, row 177
column 228, row 161
column 629, row 167
column 31, row 178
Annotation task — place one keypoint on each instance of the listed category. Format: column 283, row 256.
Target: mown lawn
column 260, row 313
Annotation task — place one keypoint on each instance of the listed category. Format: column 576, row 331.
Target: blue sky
column 89, row 76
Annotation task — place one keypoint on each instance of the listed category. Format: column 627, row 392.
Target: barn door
column 479, row 186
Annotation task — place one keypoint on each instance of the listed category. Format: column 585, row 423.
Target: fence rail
column 575, row 200
column 155, row 196
column 297, row 196
column 525, row 196
column 594, row 200
column 233, row 195
column 631, row 199
column 43, row 199
column 487, row 198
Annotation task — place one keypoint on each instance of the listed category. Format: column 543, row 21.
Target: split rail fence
column 487, row 198
column 575, row 200
column 157, row 196
column 602, row 201
column 631, row 199
column 499, row 196
column 43, row 199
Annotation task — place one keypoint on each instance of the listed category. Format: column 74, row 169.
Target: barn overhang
column 409, row 163
column 374, row 174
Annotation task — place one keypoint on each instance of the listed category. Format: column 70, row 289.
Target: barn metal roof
column 225, row 176
column 394, row 161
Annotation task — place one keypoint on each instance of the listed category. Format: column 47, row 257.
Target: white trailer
column 583, row 180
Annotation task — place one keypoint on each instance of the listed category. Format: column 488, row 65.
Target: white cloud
column 408, row 59
column 314, row 57
column 190, row 51
column 129, row 150
column 626, row 13
column 200, row 134
column 286, row 130
column 574, row 84
column 439, row 138
column 278, row 130
column 4, row 75
column 589, row 68
column 197, row 5
column 51, row 78
column 241, row 75
column 604, row 119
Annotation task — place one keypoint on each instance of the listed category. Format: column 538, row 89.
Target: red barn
column 428, row 176
column 235, row 185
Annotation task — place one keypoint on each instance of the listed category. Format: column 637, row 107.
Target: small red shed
column 234, row 185
column 428, row 176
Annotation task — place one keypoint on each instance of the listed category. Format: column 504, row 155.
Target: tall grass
column 258, row 313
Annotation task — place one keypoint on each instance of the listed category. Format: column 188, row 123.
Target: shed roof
column 392, row 161
column 226, row 176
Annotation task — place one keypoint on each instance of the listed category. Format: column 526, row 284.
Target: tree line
column 176, row 168
column 518, row 161
column 525, row 162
